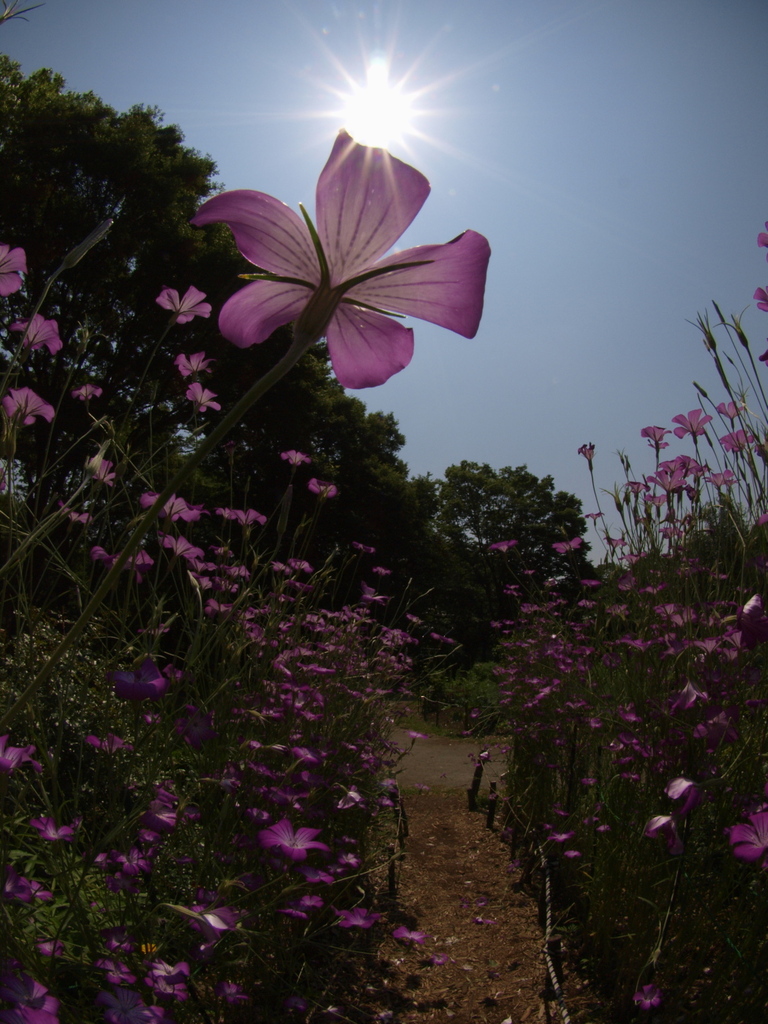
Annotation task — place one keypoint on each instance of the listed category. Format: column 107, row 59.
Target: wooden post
column 493, row 797
column 474, row 789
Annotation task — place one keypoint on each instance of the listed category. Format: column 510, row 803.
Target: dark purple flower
column 215, row 921
column 168, row 979
column 357, row 918
column 50, row 947
column 685, row 790
column 322, row 488
column 110, row 743
column 27, row 994
column 664, row 824
column 15, row 887
column 147, row 682
column 12, row 757
column 138, row 563
column 295, row 1003
column 750, row 842
column 752, row 621
column 49, row 830
column 124, row 1006
column 648, row 997
column 117, row 940
column 117, row 972
column 232, row 993
column 196, row 728
column 159, row 817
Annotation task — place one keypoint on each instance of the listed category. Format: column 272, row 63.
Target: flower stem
column 298, row 347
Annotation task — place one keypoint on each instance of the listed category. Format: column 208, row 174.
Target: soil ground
column 481, row 958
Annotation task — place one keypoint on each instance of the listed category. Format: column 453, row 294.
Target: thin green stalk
column 299, row 346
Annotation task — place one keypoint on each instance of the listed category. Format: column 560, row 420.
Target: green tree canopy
column 478, row 506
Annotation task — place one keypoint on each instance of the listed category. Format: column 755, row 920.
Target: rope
column 550, row 943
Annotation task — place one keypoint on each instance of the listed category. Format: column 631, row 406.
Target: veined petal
column 365, row 200
column 253, row 313
column 447, row 291
column 366, row 348
column 267, row 232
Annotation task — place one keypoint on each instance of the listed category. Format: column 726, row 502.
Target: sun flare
column 379, row 112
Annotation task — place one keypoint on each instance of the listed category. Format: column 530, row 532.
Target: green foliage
column 477, row 506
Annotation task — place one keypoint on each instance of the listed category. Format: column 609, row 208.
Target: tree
column 479, row 506
column 68, row 162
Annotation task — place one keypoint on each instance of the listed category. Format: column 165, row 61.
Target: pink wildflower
column 201, row 398
column 39, row 333
column 13, row 262
column 22, row 405
column 322, row 488
column 86, row 391
column 186, row 308
column 292, row 844
column 196, row 363
column 693, row 424
column 333, row 281
column 294, row 458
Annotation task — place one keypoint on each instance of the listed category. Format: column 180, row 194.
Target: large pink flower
column 13, row 262
column 333, row 282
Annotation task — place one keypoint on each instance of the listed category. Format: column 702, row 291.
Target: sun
column 379, row 112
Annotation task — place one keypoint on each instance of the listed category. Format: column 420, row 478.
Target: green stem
column 299, row 346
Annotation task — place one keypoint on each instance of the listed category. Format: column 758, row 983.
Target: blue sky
column 614, row 153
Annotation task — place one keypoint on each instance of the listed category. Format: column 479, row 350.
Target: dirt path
column 446, row 762
column 480, row 958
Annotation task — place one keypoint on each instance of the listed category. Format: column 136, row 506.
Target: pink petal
column 365, row 200
column 267, row 232
column 12, row 263
column 253, row 313
column 448, row 291
column 367, row 348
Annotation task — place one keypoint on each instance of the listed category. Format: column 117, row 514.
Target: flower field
column 196, row 776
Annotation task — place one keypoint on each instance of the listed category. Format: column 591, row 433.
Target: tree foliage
column 478, row 506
